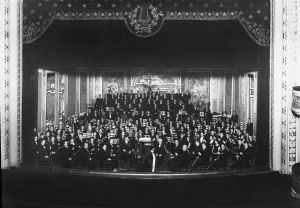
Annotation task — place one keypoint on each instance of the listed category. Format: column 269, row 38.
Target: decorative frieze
column 146, row 19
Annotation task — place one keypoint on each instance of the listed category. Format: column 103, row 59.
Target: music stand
column 146, row 141
column 110, row 109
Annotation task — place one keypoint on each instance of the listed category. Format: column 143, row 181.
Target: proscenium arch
column 271, row 74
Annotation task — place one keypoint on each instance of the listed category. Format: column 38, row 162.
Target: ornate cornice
column 145, row 20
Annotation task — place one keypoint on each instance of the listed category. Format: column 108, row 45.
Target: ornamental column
column 284, row 74
column 11, row 82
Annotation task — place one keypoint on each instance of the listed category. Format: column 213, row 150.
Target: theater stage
column 28, row 187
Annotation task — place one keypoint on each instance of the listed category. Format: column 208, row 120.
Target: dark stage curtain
column 253, row 15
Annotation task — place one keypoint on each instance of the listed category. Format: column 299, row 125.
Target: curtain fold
column 147, row 18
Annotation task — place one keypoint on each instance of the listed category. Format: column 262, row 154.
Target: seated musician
column 74, row 149
column 215, row 149
column 126, row 151
column 53, row 147
column 80, row 140
column 170, row 146
column 184, row 158
column 247, row 155
column 44, row 153
column 157, row 116
column 195, row 154
column 124, row 117
column 195, row 150
column 205, row 155
column 104, row 156
column 35, row 148
column 85, row 156
column 92, row 147
column 221, row 159
column 177, row 149
column 66, row 155
column 113, row 153
column 237, row 162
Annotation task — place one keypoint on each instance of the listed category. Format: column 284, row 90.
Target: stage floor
column 47, row 187
column 161, row 174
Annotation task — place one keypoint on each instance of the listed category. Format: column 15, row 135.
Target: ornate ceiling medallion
column 144, row 20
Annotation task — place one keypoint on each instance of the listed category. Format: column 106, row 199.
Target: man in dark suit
column 246, row 155
column 177, row 149
column 249, row 128
column 205, row 155
column 159, row 151
column 104, row 156
column 207, row 113
column 126, row 151
column 234, row 117
column 196, row 153
column 184, row 158
column 170, row 146
column 221, row 159
column 66, row 155
column 35, row 148
column 44, row 153
column 85, row 156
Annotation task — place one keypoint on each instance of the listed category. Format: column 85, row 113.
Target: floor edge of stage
column 143, row 175
column 27, row 187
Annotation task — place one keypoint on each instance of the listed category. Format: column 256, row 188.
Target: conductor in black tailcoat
column 159, row 152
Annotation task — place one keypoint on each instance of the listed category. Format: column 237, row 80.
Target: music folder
column 115, row 141
column 182, row 112
column 145, row 139
column 108, row 109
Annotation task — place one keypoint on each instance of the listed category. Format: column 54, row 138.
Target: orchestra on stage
column 147, row 132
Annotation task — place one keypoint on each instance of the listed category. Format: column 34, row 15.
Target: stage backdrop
column 226, row 90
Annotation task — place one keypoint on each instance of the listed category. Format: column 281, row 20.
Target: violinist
column 221, row 159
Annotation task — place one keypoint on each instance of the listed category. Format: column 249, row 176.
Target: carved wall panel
column 164, row 81
column 198, row 84
column 112, row 81
column 50, row 97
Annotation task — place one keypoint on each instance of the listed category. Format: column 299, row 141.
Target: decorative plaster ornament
column 144, row 20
